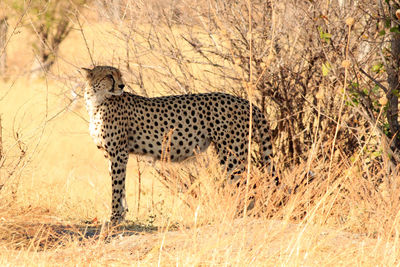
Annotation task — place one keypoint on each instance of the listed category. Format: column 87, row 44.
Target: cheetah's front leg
column 117, row 170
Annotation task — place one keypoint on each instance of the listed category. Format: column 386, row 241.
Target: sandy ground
column 251, row 242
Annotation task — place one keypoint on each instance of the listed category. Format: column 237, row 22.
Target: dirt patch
column 239, row 242
column 250, row 242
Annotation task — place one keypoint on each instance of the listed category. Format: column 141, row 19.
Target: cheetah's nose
column 121, row 86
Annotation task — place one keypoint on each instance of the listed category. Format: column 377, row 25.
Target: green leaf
column 325, row 36
column 375, row 89
column 382, row 32
column 376, row 154
column 326, row 67
column 387, row 23
column 377, row 67
column 395, row 29
column 385, row 129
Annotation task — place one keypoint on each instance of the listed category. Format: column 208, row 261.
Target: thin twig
column 84, row 38
column 384, row 88
column 15, row 28
column 250, row 95
column 341, row 104
column 139, row 185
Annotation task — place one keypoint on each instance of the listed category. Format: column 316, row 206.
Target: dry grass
column 52, row 207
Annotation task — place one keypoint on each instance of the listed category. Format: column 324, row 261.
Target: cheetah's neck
column 93, row 101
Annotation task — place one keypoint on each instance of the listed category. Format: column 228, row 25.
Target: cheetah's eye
column 110, row 76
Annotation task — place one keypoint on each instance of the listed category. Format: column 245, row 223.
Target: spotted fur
column 175, row 127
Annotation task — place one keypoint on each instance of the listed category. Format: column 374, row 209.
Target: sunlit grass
column 63, row 188
column 66, row 183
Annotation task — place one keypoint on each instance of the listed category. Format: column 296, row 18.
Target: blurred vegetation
column 51, row 22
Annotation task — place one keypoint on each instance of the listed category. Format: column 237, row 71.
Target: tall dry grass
column 55, row 192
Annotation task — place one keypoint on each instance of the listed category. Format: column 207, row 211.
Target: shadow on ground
column 44, row 236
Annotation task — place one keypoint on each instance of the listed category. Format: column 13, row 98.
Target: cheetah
column 122, row 123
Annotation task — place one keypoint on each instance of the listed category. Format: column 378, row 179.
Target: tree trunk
column 49, row 45
column 393, row 82
column 1, row 141
column 3, row 40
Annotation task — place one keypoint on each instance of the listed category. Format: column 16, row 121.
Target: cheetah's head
column 104, row 81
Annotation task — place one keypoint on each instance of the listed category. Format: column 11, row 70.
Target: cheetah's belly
column 171, row 146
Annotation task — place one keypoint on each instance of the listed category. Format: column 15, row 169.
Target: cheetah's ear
column 88, row 72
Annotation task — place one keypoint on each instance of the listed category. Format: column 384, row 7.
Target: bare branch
column 375, row 81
